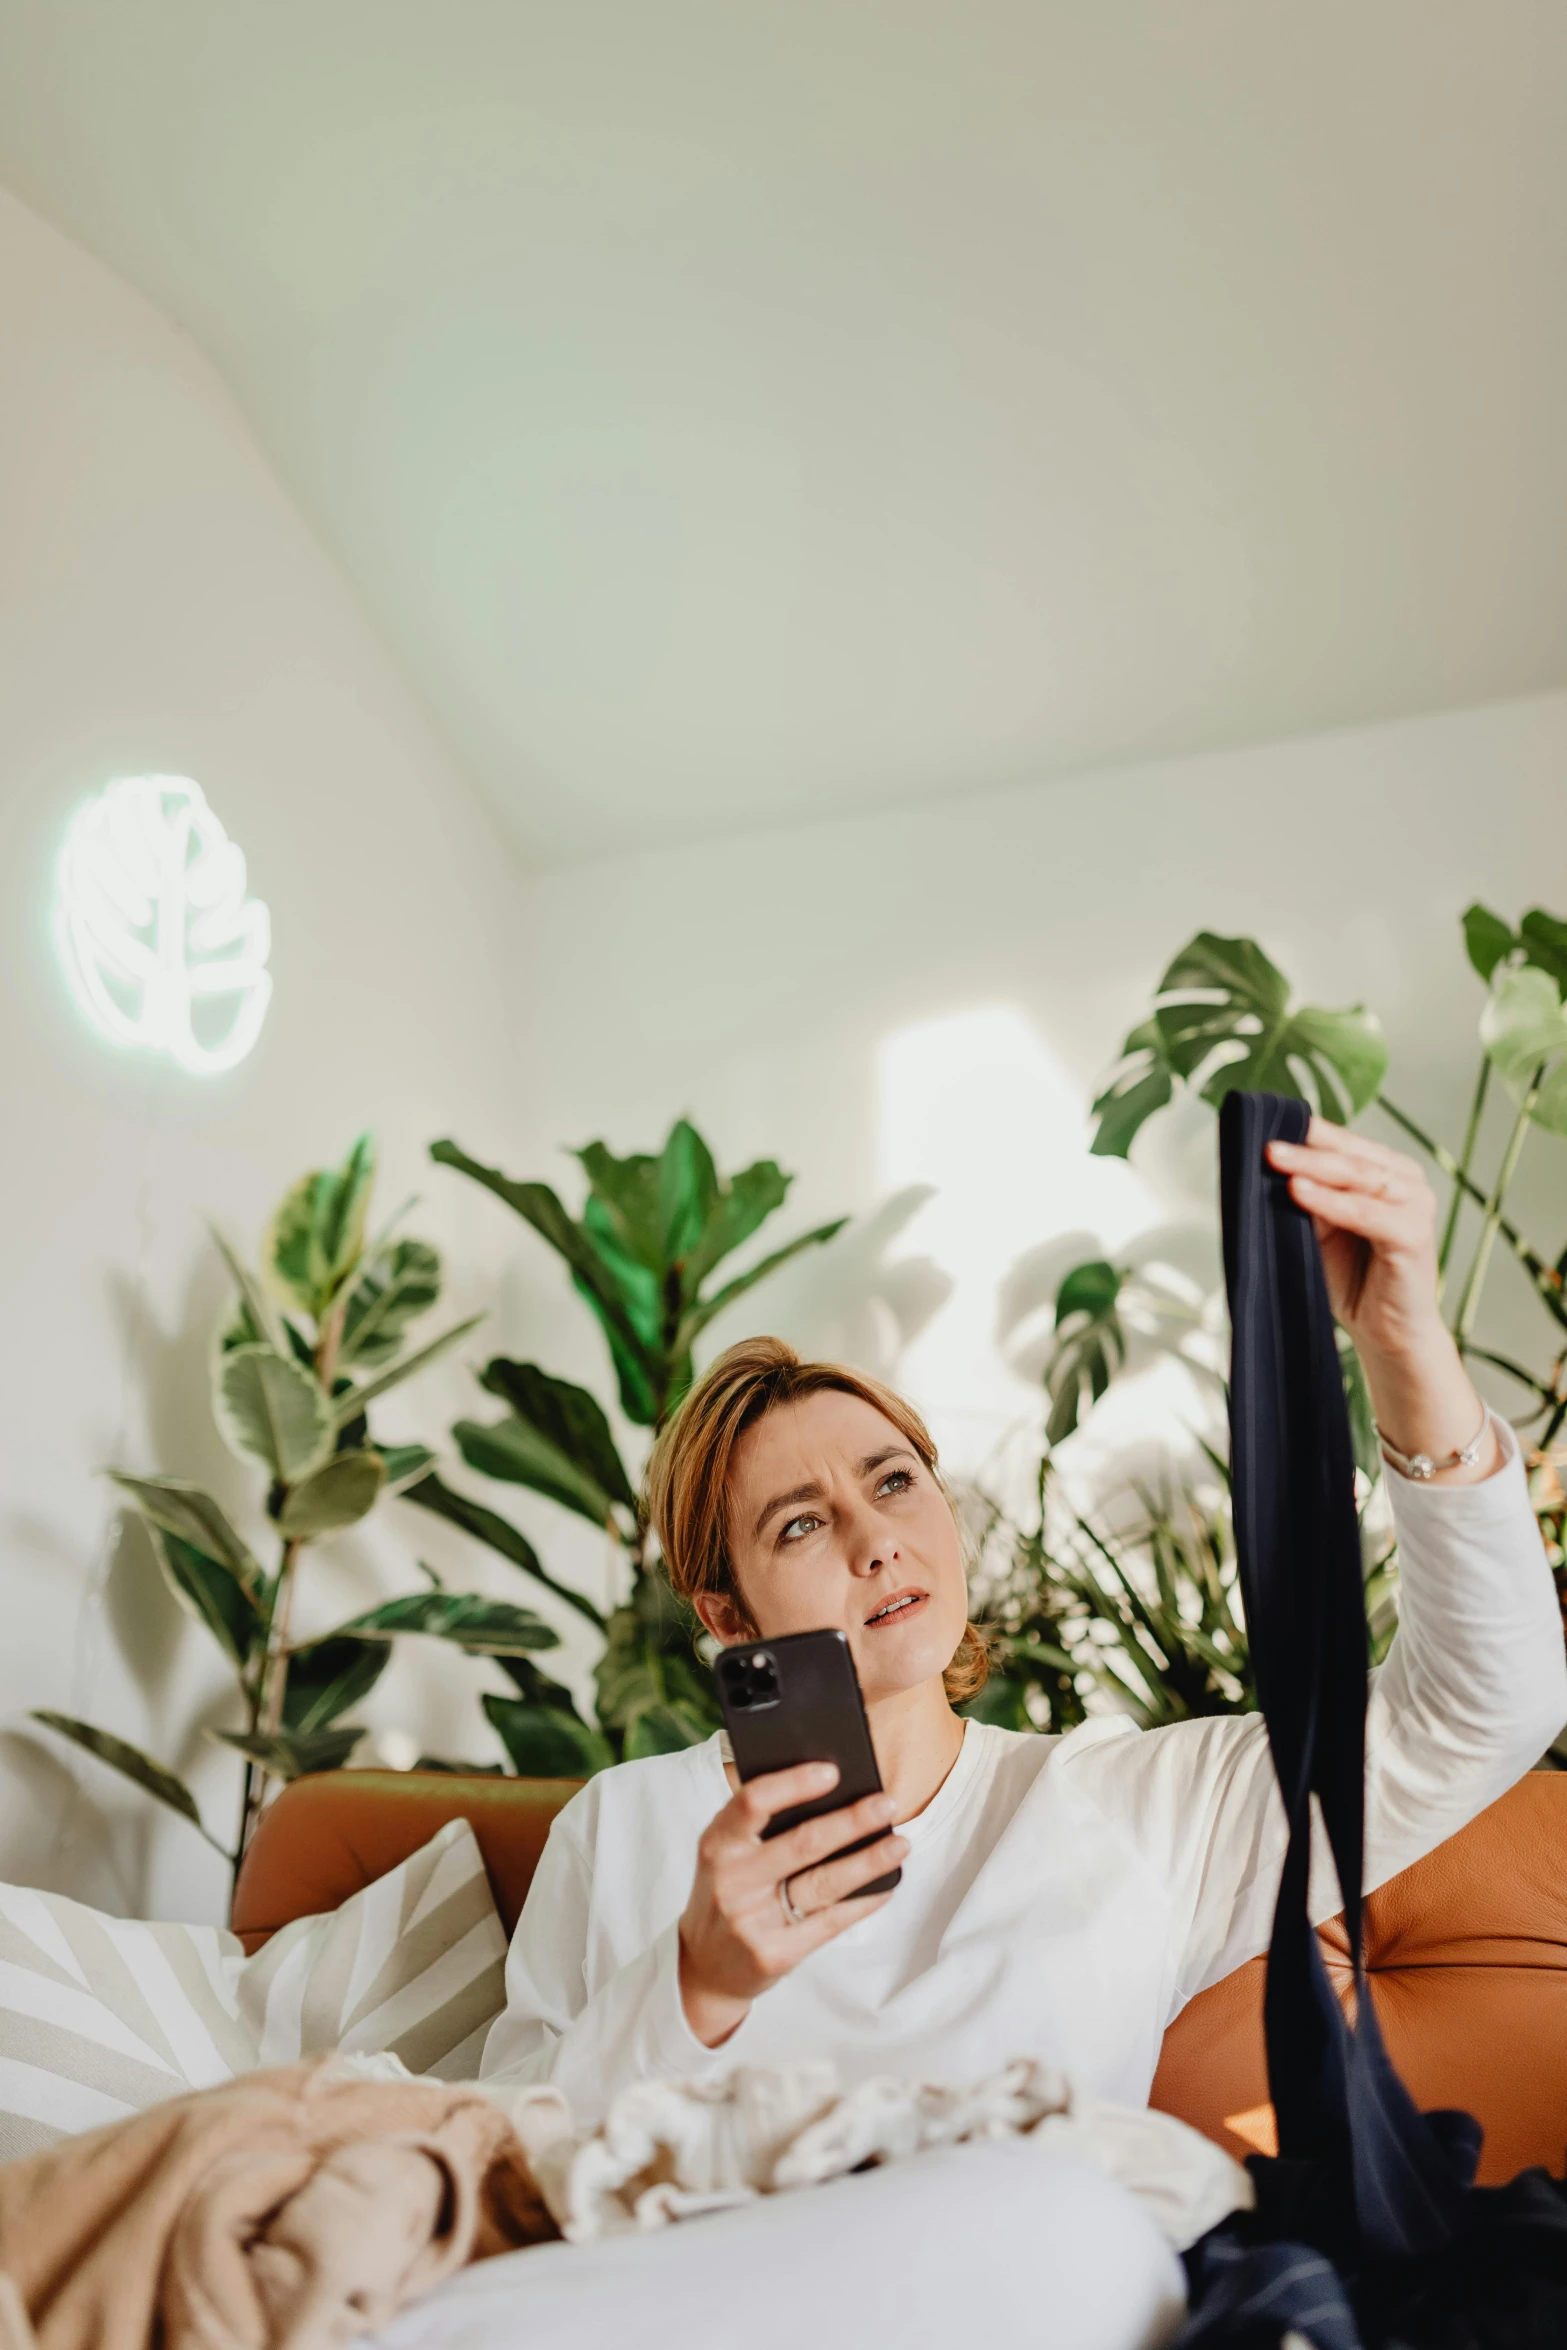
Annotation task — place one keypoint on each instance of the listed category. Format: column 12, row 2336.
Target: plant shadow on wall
column 301, row 1354
column 643, row 1257
column 1137, row 1604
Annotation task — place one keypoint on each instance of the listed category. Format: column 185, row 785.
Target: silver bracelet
column 1421, row 1466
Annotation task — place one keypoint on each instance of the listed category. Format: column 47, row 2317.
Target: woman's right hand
column 735, row 1937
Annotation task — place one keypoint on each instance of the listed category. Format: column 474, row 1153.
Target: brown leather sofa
column 1467, row 1951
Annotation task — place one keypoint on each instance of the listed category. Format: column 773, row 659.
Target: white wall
column 905, row 1000
column 930, row 997
column 163, row 609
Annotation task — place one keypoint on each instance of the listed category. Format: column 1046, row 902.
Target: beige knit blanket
column 287, row 2210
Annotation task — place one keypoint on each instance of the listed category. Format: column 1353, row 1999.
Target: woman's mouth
column 897, row 1609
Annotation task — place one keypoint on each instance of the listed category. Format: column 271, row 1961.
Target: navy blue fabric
column 1368, row 2232
column 1363, row 2172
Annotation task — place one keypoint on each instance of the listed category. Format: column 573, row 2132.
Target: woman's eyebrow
column 784, row 1501
column 874, row 1460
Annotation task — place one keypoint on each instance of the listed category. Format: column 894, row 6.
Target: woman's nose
column 869, row 1549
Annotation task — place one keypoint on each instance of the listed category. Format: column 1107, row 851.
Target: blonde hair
column 687, row 1492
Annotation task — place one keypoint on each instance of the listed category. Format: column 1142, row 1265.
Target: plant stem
column 274, row 1670
column 1547, row 1280
column 1471, row 1137
column 1469, row 1303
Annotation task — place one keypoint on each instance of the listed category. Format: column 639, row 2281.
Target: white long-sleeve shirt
column 1063, row 1897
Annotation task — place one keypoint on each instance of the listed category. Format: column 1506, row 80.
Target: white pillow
column 101, row 2017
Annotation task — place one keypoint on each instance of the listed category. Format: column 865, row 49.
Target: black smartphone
column 797, row 1700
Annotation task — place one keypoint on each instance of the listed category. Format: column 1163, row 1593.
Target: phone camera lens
column 751, row 1678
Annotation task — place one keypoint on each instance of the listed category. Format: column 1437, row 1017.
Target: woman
column 1061, row 1897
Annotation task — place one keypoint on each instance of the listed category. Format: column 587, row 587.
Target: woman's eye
column 896, row 1481
column 797, row 1527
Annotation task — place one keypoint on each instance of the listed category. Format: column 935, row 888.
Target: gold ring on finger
column 791, row 1915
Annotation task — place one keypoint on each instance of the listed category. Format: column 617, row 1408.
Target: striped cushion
column 101, row 2017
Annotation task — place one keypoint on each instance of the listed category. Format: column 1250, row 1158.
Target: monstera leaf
column 1090, row 1345
column 1540, row 942
column 1524, row 1031
column 1223, row 1022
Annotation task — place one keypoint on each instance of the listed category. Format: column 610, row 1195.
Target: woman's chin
column 890, row 1663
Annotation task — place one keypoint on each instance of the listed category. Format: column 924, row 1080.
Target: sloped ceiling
column 731, row 411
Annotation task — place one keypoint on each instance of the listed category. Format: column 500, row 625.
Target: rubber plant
column 642, row 1256
column 1223, row 1017
column 306, row 1347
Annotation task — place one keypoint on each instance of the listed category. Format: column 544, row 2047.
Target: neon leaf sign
column 164, row 951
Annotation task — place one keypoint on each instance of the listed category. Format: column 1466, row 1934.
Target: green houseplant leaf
column 555, row 1440
column 1223, row 1021
column 395, row 1288
column 184, row 1509
column 1488, row 940
column 293, row 1754
column 537, row 1204
column 665, row 1729
column 317, row 1233
column 545, row 1742
column 269, row 1407
column 354, row 1400
column 266, row 1325
column 327, row 1676
column 132, row 1764
column 488, row 1526
column 484, row 1627
column 1142, row 1082
column 738, row 1208
column 1524, row 1031
column 343, row 1490
column 404, row 1463
column 213, row 1593
column 711, row 1307
column 568, row 1419
column 1090, row 1345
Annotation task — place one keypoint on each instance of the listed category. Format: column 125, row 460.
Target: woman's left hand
column 1375, row 1217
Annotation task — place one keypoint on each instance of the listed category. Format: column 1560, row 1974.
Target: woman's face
column 837, row 1524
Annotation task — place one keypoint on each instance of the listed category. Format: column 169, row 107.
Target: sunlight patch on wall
column 978, row 1105
column 164, row 951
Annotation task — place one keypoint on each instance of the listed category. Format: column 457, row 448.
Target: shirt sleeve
column 632, row 2027
column 1473, row 1690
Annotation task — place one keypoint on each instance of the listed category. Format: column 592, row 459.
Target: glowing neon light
column 164, row 951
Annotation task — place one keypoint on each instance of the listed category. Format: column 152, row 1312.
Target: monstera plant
column 1223, row 1017
column 642, row 1256
column 307, row 1346
column 1141, row 1603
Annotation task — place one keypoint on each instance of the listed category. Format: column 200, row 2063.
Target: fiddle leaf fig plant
column 642, row 1256
column 310, row 1340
